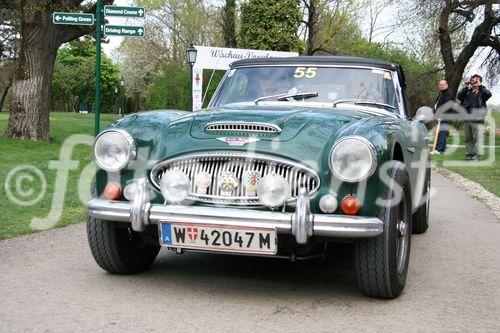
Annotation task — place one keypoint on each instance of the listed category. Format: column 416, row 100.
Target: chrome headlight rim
column 373, row 153
column 131, row 151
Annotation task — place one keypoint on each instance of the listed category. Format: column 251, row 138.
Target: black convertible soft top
column 331, row 60
column 317, row 60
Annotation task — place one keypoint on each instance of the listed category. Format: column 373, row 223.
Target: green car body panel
column 307, row 136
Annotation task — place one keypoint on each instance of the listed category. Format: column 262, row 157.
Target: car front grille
column 240, row 168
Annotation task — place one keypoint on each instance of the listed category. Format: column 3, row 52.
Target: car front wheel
column 381, row 263
column 421, row 216
column 117, row 248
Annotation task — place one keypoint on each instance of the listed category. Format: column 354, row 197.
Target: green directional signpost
column 108, row 30
column 73, row 18
column 122, row 30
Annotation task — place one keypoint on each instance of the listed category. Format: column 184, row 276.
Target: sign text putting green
column 73, row 18
column 123, row 30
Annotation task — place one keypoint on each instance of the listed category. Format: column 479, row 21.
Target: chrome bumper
column 302, row 224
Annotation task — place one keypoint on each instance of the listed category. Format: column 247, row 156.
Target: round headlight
column 174, row 186
column 353, row 159
column 113, row 149
column 273, row 190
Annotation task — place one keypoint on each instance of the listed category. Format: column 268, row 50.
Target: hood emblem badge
column 238, row 141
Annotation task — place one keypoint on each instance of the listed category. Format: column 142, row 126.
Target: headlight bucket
column 353, row 159
column 113, row 149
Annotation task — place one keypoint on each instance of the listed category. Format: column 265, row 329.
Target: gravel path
column 50, row 283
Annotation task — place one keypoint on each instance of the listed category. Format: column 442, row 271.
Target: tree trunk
column 32, row 83
column 312, row 26
column 4, row 96
column 482, row 36
column 32, row 86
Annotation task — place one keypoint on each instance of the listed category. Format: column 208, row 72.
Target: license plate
column 218, row 238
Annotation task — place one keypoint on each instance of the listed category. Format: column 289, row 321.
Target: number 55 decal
column 307, row 73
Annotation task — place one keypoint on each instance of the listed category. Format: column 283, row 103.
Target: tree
column 452, row 32
column 229, row 24
column 313, row 12
column 271, row 25
column 9, row 50
column 145, row 63
column 172, row 25
column 483, row 35
column 40, row 40
column 375, row 9
column 328, row 24
column 74, row 77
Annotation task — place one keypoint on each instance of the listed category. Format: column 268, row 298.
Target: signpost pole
column 98, row 23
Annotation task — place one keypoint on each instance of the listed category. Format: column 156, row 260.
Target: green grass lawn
column 16, row 219
column 488, row 176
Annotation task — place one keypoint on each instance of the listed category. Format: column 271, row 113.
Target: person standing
column 444, row 97
column 473, row 98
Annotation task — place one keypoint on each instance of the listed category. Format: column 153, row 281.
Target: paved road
column 49, row 282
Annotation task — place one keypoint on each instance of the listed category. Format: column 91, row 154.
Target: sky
column 115, row 41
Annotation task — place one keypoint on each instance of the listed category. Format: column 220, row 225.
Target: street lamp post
column 191, row 53
column 122, row 107
column 116, row 99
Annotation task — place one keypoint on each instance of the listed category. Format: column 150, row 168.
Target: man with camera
column 473, row 98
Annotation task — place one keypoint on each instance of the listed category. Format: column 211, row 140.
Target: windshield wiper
column 363, row 102
column 286, row 96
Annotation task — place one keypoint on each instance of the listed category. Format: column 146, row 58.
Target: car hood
column 307, row 133
column 290, row 119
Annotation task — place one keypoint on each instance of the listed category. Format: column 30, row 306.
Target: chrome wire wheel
column 403, row 234
column 428, row 198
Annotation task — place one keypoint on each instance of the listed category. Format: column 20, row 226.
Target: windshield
column 372, row 87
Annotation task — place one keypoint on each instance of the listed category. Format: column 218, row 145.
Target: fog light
column 350, row 205
column 273, row 190
column 130, row 190
column 328, row 203
column 112, row 191
column 174, row 186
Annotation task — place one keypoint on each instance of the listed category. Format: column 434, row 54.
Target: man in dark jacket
column 444, row 97
column 473, row 98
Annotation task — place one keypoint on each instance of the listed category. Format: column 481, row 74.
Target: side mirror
column 424, row 115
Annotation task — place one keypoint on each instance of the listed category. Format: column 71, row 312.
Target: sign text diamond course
column 122, row 11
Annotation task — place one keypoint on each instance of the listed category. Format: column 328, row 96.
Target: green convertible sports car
column 292, row 154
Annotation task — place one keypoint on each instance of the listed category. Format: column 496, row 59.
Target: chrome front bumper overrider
column 302, row 223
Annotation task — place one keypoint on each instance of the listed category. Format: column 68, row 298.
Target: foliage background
column 74, row 78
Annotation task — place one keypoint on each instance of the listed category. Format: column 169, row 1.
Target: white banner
column 221, row 58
